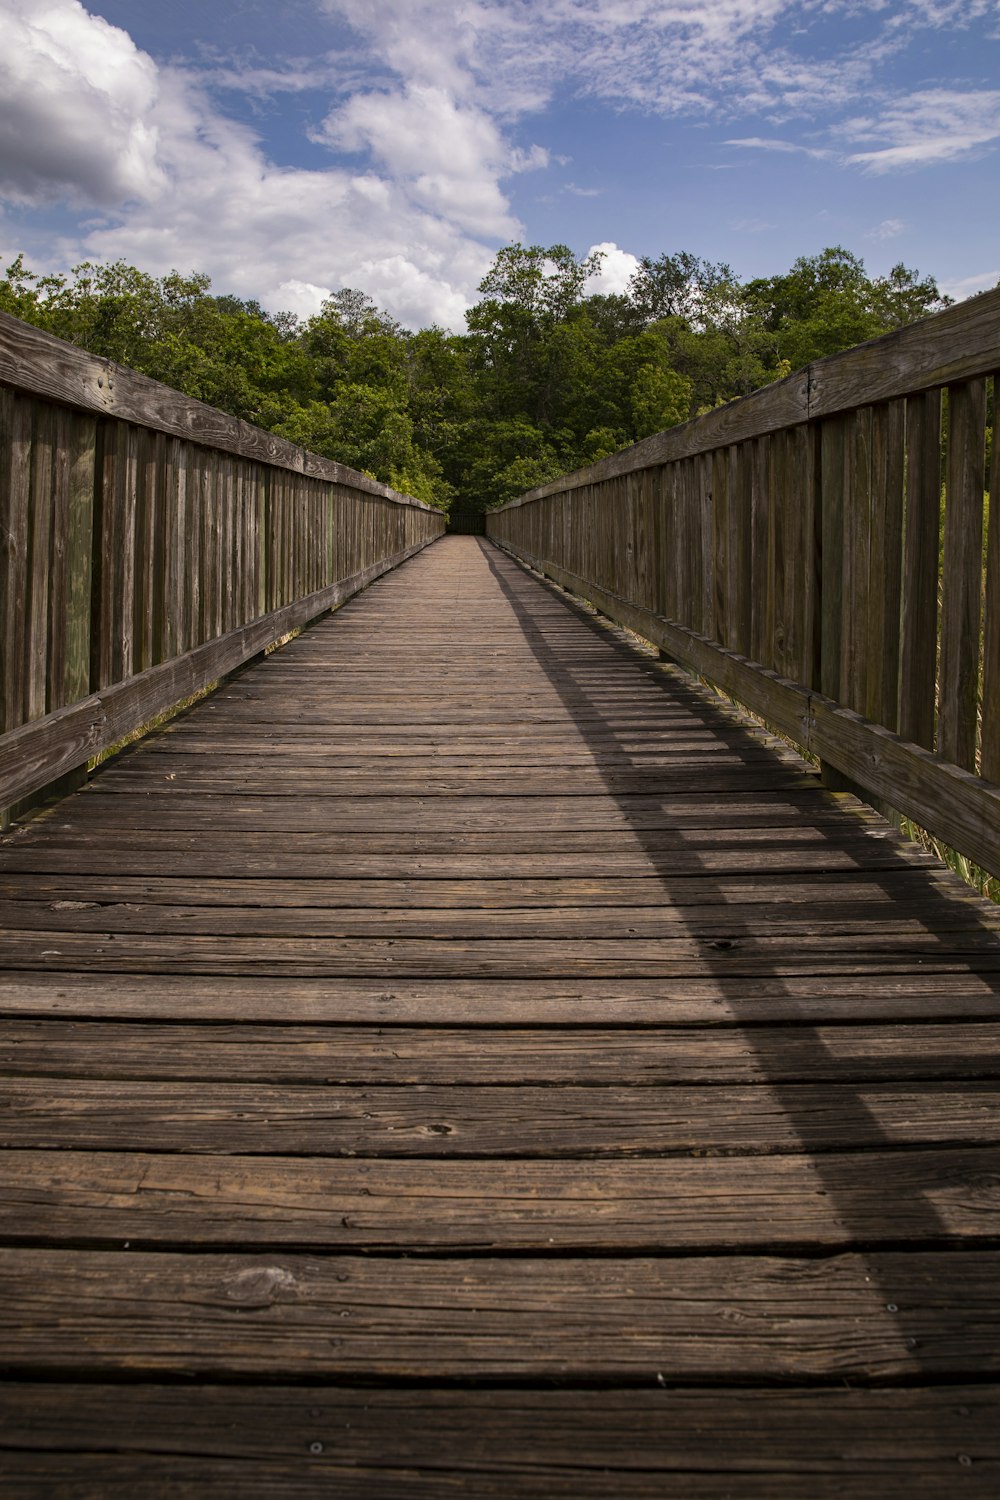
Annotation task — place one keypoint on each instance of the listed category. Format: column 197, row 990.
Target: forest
column 546, row 378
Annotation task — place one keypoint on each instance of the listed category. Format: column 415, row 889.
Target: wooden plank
column 112, row 644
column 990, row 739
column 15, row 490
column 824, row 837
column 158, row 855
column 907, row 889
column 152, row 563
column 149, row 1478
column 670, row 927
column 724, row 953
column 794, row 806
column 77, row 625
column 719, row 775
column 783, row 703
column 58, row 623
column 486, row 1121
column 760, row 527
column 174, row 624
column 885, row 577
column 961, row 576
column 908, row 993
column 880, row 1316
column 395, row 1054
column 683, row 1205
column 39, row 561
column 806, row 541
column 774, row 575
column 874, row 1440
column 919, row 627
column 858, row 528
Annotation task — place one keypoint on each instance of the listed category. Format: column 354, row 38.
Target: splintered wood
column 459, row 1057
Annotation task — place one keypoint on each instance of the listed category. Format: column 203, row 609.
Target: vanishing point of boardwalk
column 459, row 1057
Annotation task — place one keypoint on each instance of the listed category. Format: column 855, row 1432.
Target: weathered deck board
column 680, row 1204
column 878, row 1316
column 949, row 991
column 448, row 1055
column 489, row 1121
column 459, row 996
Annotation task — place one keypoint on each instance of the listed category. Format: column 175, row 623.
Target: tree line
column 547, row 378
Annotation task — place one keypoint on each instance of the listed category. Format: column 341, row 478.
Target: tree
column 547, row 378
column 676, row 286
column 827, row 303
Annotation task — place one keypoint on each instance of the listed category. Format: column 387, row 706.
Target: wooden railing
column 150, row 544
column 818, row 551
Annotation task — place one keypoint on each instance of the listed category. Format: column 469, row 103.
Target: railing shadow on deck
column 799, row 1051
column 819, row 550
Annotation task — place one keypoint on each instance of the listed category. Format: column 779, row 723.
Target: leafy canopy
column 549, row 376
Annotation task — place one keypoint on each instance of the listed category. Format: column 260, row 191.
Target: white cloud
column 85, row 114
column 423, row 124
column 452, row 156
column 303, row 298
column 617, row 268
column 77, row 107
column 887, row 230
column 767, row 143
column 718, row 59
column 264, row 83
column 968, row 286
column 926, row 128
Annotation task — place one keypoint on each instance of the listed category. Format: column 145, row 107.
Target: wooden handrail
column 149, row 544
column 817, row 549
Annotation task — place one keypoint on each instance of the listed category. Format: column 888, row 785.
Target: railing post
column 832, row 478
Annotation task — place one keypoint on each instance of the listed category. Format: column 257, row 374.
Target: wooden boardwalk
column 459, row 1058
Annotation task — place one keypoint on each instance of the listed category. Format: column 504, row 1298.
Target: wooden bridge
column 463, row 1054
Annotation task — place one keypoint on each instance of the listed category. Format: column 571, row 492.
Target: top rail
column 149, row 544
column 820, row 550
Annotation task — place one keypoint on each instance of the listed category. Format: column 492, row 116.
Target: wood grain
column 294, row 1316
column 837, row 1201
column 462, row 1045
column 827, row 488
column 134, row 564
column 37, row 362
column 946, row 799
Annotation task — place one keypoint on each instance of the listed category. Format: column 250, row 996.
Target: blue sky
column 294, row 147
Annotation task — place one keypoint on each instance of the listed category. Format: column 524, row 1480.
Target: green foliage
column 827, row 303
column 547, row 378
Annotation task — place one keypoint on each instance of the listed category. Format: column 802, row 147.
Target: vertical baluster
column 59, row 622
column 741, row 545
column 760, row 523
column 79, row 622
column 885, row 565
column 15, row 489
column 990, row 767
column 856, row 571
column 774, row 628
column 720, row 510
column 961, row 577
column 39, row 559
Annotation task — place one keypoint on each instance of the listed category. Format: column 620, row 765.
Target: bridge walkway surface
column 461, row 1056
